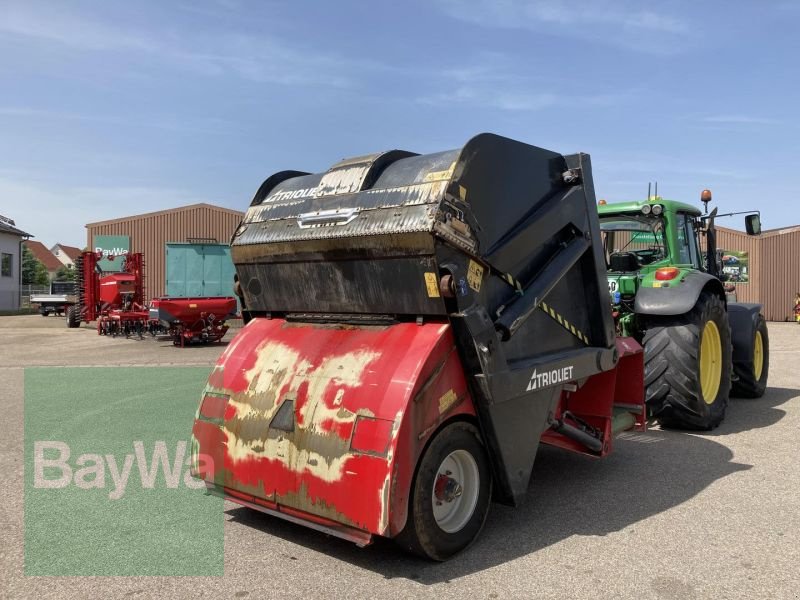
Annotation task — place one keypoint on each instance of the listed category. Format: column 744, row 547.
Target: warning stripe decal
column 549, row 310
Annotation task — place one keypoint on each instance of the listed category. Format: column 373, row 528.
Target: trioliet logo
column 548, row 378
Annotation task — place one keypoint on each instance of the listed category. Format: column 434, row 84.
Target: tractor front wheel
column 450, row 496
column 751, row 379
column 688, row 366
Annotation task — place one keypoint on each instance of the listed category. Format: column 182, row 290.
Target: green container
column 199, row 270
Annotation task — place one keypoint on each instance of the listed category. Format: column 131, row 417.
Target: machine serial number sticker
column 475, row 275
column 432, row 285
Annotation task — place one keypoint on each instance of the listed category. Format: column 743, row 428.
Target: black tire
column 73, row 317
column 747, row 384
column 422, row 534
column 673, row 391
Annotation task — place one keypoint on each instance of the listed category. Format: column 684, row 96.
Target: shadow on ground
column 570, row 494
column 745, row 414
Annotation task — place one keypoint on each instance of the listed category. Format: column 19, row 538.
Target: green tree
column 65, row 273
column 33, row 271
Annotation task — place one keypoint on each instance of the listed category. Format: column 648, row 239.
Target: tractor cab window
column 632, row 241
column 687, row 252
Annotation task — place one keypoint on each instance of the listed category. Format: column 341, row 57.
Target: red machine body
column 353, row 408
column 193, row 319
column 116, row 302
column 419, row 325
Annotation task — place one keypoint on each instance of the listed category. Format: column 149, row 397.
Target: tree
column 65, row 273
column 33, row 271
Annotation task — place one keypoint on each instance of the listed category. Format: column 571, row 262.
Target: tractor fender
column 677, row 300
column 743, row 319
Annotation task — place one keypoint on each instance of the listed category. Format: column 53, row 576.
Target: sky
column 109, row 109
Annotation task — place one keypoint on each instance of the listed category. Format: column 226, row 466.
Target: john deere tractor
column 666, row 288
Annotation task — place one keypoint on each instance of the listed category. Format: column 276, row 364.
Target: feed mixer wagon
column 418, row 325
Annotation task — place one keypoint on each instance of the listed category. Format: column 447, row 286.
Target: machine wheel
column 687, row 371
column 450, row 495
column 73, row 317
column 752, row 378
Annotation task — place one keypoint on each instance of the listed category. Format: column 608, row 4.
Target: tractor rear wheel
column 752, row 377
column 688, row 366
column 450, row 495
column 73, row 317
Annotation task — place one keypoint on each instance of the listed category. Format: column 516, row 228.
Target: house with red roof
column 66, row 254
column 43, row 254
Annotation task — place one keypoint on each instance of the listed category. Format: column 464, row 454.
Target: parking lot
column 667, row 515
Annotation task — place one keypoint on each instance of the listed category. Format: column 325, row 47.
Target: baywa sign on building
column 116, row 246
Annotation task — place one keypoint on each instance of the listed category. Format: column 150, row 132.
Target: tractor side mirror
column 752, row 223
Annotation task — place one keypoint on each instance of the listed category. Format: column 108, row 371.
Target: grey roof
column 6, row 226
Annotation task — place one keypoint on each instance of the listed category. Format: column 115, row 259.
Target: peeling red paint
column 332, row 374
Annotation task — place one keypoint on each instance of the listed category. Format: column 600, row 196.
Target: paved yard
column 668, row 515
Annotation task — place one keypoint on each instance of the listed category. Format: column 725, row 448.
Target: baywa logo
column 549, row 378
column 52, row 468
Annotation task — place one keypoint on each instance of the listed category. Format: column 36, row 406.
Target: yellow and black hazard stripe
column 509, row 279
column 549, row 310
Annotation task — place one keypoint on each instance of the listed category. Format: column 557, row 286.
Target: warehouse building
column 763, row 268
column 195, row 237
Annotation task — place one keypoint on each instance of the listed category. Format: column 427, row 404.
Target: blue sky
column 114, row 108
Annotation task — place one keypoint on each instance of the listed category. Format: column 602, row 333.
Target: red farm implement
column 188, row 320
column 417, row 326
column 116, row 302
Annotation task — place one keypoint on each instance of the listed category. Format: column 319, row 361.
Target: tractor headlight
column 646, row 209
column 657, row 209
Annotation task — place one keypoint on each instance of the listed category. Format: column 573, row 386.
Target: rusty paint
column 332, row 375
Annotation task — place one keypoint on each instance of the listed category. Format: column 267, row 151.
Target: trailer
column 61, row 297
column 417, row 326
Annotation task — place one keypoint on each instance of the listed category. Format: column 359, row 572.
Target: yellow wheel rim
column 710, row 362
column 758, row 356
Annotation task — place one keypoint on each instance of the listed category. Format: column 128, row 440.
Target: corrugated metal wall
column 149, row 233
column 774, row 274
column 780, row 273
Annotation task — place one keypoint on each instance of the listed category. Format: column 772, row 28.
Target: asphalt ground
column 667, row 515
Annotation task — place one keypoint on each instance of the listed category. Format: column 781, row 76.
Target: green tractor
column 667, row 292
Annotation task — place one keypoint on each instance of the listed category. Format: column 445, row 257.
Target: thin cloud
column 182, row 123
column 490, row 84
column 253, row 58
column 622, row 23
column 740, row 120
column 70, row 30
